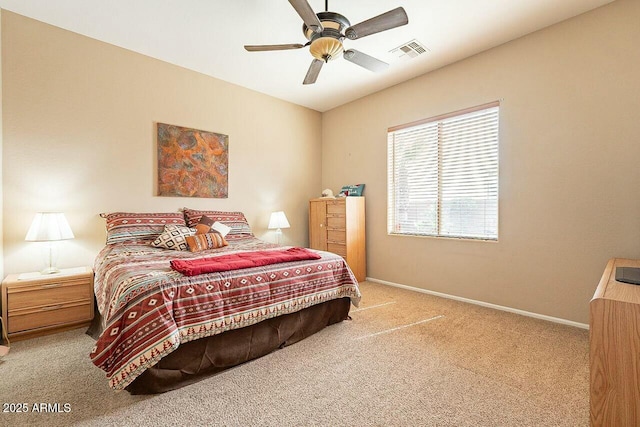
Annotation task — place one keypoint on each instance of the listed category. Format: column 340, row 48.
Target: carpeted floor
column 406, row 359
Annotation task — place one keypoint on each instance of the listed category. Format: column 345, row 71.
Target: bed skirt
column 196, row 360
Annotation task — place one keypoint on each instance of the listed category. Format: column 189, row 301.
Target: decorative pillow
column 204, row 225
column 219, row 227
column 201, row 242
column 174, row 237
column 127, row 227
column 235, row 220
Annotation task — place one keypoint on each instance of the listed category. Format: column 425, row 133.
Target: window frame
column 391, row 196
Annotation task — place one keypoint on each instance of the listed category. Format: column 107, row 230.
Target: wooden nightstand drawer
column 48, row 294
column 22, row 320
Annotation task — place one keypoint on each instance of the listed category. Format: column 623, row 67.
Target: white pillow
column 221, row 228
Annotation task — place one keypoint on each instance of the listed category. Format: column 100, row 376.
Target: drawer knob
column 52, row 307
column 53, row 285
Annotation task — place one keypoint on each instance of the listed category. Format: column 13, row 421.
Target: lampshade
column 49, row 226
column 278, row 220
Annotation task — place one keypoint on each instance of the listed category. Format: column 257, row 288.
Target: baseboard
column 483, row 304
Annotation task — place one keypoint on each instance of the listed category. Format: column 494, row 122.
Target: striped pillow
column 132, row 227
column 236, row 220
column 201, row 242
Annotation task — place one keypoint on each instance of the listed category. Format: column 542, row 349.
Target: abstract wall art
column 192, row 163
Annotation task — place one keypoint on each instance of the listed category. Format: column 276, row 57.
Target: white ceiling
column 208, row 36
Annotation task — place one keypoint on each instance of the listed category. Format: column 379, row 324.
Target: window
column 443, row 175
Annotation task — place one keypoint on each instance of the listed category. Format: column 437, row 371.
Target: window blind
column 443, row 175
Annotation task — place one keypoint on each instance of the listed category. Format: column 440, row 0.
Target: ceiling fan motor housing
column 327, row 44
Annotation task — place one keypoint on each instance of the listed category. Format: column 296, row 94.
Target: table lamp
column 278, row 221
column 49, row 227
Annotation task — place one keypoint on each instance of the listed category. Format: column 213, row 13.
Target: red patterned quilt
column 150, row 309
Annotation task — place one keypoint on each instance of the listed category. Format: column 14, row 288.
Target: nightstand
column 36, row 304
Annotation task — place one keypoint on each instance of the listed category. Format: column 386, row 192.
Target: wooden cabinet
column 614, row 350
column 35, row 304
column 338, row 226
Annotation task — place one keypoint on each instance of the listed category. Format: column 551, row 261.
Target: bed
column 159, row 329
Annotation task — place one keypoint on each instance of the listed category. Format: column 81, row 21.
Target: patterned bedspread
column 149, row 309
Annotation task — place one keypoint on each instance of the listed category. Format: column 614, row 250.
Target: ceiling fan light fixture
column 326, row 48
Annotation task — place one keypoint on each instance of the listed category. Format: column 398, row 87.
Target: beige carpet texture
column 406, row 359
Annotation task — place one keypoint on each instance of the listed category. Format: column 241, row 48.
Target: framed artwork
column 192, row 163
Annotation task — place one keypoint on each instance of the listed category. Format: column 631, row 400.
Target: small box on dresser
column 36, row 304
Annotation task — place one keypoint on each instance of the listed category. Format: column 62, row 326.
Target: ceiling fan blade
column 388, row 20
column 364, row 60
column 307, row 14
column 313, row 72
column 266, row 47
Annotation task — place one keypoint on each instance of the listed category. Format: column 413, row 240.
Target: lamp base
column 51, row 258
column 50, row 270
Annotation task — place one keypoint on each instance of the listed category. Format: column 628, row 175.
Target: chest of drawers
column 338, row 226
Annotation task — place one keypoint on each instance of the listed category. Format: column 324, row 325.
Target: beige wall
column 79, row 134
column 1, row 190
column 79, row 137
column 569, row 175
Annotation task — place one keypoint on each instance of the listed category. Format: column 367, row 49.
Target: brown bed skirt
column 196, row 360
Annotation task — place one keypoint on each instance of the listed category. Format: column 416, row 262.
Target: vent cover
column 410, row 49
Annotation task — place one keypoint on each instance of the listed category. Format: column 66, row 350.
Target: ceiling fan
column 324, row 32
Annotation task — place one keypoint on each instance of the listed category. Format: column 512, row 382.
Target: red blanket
column 193, row 267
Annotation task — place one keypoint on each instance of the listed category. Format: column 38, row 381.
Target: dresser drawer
column 336, row 222
column 336, row 236
column 337, row 248
column 336, row 207
column 22, row 320
column 48, row 294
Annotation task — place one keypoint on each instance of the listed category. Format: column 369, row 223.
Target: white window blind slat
column 443, row 176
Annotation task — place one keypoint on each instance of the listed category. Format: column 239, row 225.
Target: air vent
column 409, row 50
